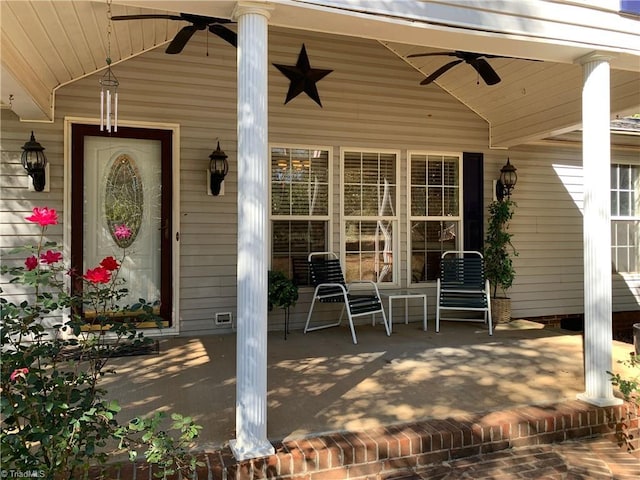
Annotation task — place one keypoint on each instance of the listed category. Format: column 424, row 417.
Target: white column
column 253, row 202
column 596, row 165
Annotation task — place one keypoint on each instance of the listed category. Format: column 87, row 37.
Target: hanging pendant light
column 109, row 88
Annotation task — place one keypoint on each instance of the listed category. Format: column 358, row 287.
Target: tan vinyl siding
column 371, row 100
column 548, row 232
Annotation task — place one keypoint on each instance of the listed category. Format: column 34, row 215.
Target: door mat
column 126, row 349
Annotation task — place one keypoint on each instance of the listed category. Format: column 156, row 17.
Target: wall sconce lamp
column 218, row 169
column 506, row 182
column 34, row 162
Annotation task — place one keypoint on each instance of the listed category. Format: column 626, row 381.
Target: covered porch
column 530, row 111
column 321, row 382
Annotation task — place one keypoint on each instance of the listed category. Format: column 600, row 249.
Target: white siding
column 371, row 100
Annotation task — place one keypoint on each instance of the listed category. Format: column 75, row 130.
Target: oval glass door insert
column 124, row 199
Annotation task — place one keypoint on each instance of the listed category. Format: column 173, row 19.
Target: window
column 625, row 217
column 300, row 208
column 370, row 221
column 435, row 213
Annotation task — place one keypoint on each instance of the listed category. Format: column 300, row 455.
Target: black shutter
column 473, row 205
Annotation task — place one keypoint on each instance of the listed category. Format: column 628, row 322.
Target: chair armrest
column 462, row 290
column 370, row 283
column 332, row 285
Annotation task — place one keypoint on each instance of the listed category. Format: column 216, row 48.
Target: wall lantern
column 34, row 162
column 218, row 169
column 506, row 182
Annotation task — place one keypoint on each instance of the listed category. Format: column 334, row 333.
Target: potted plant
column 498, row 254
column 283, row 293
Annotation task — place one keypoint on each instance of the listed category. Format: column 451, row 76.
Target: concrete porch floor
column 320, row 382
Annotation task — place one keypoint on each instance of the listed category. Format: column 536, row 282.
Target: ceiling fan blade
column 202, row 20
column 432, row 54
column 145, row 17
column 181, row 39
column 440, row 71
column 485, row 70
column 198, row 22
column 224, row 33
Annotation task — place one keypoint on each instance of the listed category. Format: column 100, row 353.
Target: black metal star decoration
column 303, row 77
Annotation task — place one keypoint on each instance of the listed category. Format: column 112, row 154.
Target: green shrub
column 498, row 249
column 283, row 292
column 630, row 389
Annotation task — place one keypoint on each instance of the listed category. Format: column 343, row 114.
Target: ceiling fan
column 198, row 22
column 481, row 66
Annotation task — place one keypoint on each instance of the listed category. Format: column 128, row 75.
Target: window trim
column 613, row 218
column 410, row 217
column 398, row 215
column 330, row 201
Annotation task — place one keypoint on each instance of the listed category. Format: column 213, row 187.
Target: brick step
column 378, row 454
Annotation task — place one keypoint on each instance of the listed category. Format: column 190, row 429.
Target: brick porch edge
column 376, row 454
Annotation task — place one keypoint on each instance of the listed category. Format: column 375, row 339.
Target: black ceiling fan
column 476, row 60
column 198, row 22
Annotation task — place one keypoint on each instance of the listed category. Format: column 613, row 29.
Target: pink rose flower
column 31, row 262
column 18, row 373
column 109, row 263
column 50, row 257
column 98, row 275
column 44, row 216
column 122, row 231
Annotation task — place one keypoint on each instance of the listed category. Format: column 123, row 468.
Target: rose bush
column 56, row 420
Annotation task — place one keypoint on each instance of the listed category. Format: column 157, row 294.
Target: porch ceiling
column 534, row 99
column 48, row 44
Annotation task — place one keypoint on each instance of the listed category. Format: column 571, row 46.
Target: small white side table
column 406, row 295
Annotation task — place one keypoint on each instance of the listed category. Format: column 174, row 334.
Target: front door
column 122, row 181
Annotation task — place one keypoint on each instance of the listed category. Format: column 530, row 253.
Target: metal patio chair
column 330, row 287
column 462, row 286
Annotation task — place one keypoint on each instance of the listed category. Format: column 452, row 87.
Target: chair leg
column 286, row 322
column 488, row 316
column 387, row 326
column 438, row 307
column 353, row 329
column 306, row 326
column 385, row 321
